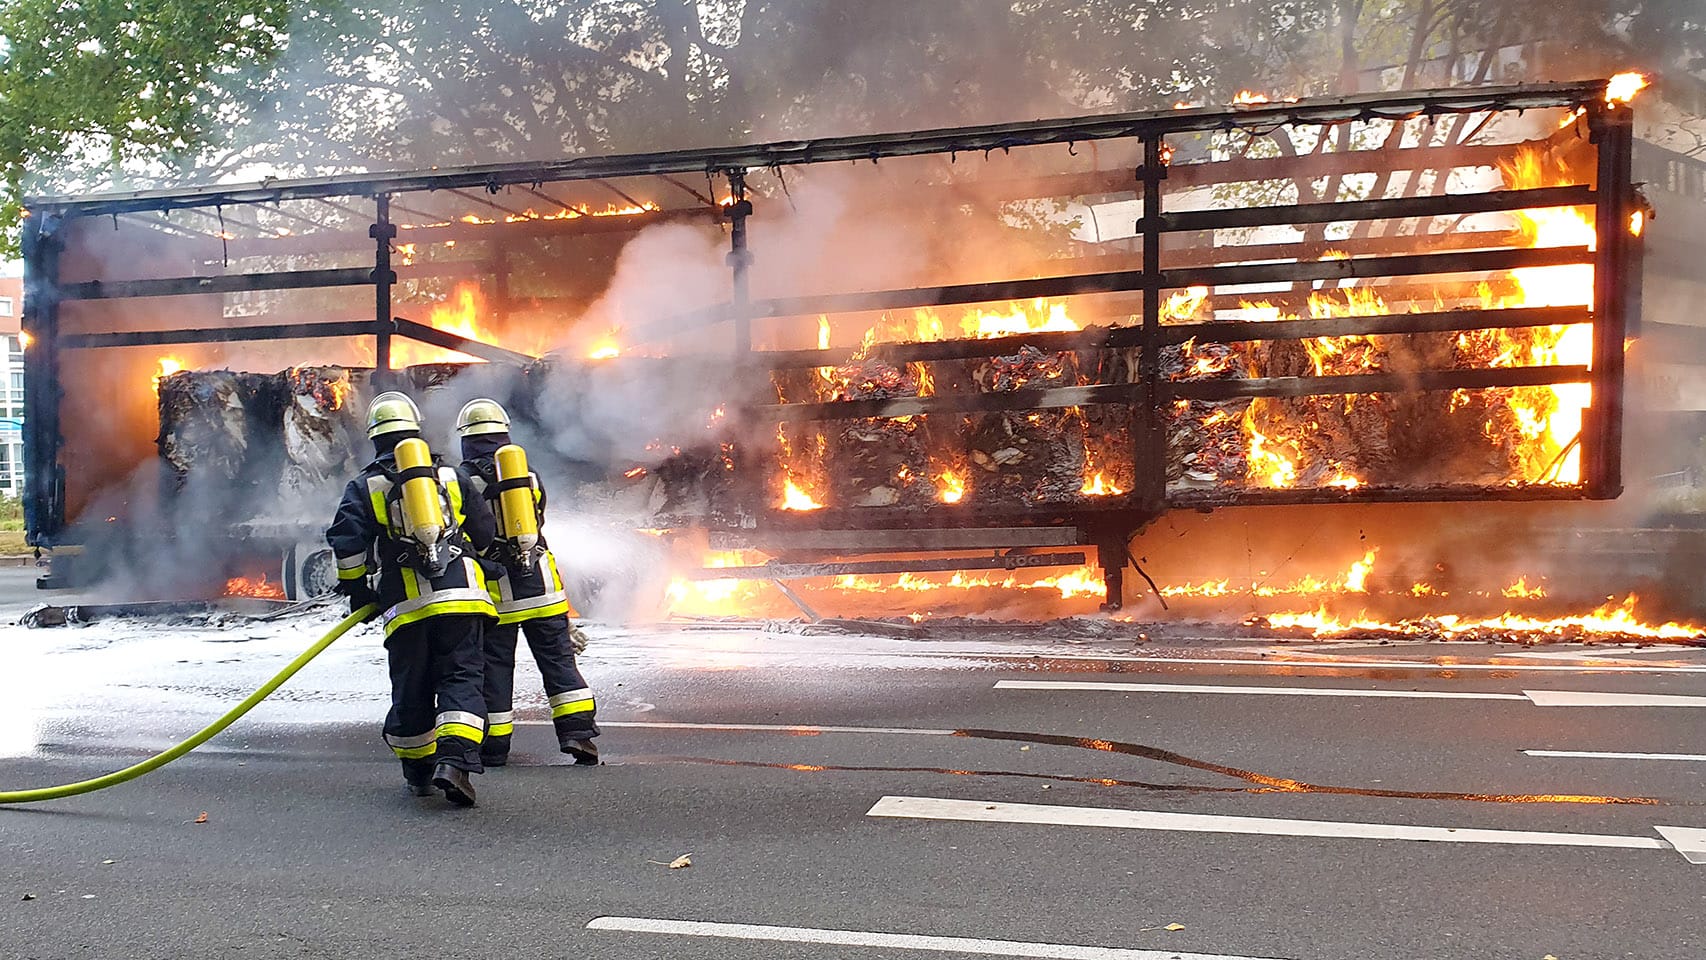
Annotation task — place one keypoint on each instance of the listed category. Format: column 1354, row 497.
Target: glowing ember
column 1624, row 87
column 794, row 498
column 950, row 486
column 1098, row 486
column 1637, row 223
column 258, row 587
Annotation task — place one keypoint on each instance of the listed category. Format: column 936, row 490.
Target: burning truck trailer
column 1012, row 358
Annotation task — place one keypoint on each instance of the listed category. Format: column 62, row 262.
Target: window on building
column 14, row 347
column 6, row 307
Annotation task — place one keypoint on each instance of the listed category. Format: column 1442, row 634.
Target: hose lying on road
column 205, row 734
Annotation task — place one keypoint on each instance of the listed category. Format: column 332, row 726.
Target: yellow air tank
column 423, row 518
column 516, row 514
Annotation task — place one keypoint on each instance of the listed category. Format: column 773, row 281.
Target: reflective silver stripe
column 405, row 743
column 533, row 603
column 461, row 716
column 570, row 696
column 353, row 562
column 441, row 596
column 506, row 716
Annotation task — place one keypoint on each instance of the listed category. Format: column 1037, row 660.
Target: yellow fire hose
column 205, row 734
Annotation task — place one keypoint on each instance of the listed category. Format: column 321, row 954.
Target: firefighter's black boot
column 585, row 752
column 418, row 775
column 458, row 787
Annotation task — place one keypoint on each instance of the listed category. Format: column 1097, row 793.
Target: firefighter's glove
column 577, row 638
column 360, row 593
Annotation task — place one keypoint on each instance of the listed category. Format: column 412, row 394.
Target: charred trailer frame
column 1176, row 250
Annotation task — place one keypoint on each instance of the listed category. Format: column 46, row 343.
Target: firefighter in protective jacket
column 406, row 537
column 528, row 592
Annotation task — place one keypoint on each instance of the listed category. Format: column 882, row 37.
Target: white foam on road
column 935, row 808
column 1233, row 688
column 1540, row 698
column 1611, row 755
column 891, row 941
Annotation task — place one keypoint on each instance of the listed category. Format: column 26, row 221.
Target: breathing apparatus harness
column 518, row 550
column 418, row 517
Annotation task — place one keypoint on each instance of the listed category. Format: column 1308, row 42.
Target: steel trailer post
column 44, row 481
column 740, row 261
column 383, row 231
column 1613, row 127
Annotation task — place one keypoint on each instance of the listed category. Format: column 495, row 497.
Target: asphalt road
column 312, row 849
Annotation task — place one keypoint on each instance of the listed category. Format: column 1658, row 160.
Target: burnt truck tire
column 310, row 570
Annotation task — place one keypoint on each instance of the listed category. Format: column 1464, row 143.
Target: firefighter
column 528, row 592
column 406, row 537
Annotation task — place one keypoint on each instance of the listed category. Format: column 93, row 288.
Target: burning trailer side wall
column 1122, row 378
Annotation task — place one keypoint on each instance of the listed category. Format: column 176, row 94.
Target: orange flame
column 168, row 366
column 1624, row 87
column 257, row 587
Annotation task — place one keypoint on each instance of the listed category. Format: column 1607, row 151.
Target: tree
column 99, row 89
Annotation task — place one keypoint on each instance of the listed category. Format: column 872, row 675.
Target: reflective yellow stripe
column 481, row 608
column 500, row 729
column 356, row 560
column 447, row 600
column 461, row 730
column 352, row 573
column 560, row 609
column 377, row 488
column 414, row 747
column 453, row 490
column 573, row 706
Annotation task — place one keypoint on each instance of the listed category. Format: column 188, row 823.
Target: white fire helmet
column 481, row 416
column 392, row 412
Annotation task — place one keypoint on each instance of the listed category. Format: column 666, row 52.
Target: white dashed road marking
column 1691, row 843
column 891, row 941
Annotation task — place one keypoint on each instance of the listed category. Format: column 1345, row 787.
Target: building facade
column 12, row 399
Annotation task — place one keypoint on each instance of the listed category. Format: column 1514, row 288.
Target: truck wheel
column 309, row 571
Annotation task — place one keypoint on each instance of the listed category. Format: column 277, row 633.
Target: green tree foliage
column 91, row 87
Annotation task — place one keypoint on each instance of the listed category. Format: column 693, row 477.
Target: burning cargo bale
column 219, row 426
column 879, row 462
column 1024, row 457
column 322, row 433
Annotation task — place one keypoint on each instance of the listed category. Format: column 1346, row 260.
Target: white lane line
column 804, row 729
column 1540, row 698
column 1609, row 755
column 891, row 941
column 1249, row 690
column 1583, row 698
column 932, row 808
